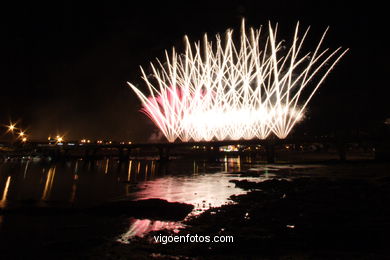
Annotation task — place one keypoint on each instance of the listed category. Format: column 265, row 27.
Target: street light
column 59, row 139
column 11, row 127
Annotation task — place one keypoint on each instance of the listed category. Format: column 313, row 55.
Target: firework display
column 235, row 89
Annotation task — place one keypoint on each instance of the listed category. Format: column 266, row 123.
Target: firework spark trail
column 226, row 91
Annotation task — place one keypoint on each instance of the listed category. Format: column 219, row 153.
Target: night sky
column 64, row 66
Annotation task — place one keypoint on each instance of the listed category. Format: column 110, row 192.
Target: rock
column 157, row 209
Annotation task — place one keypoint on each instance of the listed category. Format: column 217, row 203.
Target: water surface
column 80, row 184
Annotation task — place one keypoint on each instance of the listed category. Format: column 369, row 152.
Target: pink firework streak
column 220, row 90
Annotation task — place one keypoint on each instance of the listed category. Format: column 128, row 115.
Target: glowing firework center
column 221, row 90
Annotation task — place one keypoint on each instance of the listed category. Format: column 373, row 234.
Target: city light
column 222, row 90
column 59, row 139
column 21, row 135
column 11, row 127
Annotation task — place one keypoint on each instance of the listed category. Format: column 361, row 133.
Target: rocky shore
column 305, row 218
column 334, row 211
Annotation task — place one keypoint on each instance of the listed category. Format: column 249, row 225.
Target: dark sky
column 64, row 65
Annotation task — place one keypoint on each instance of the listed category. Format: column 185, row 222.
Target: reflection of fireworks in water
column 224, row 91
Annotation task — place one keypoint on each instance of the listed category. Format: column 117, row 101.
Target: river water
column 79, row 184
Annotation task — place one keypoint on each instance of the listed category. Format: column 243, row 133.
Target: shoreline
column 322, row 217
column 285, row 211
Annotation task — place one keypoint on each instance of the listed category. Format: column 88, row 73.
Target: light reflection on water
column 75, row 182
column 140, row 227
column 86, row 183
column 202, row 190
column 5, row 193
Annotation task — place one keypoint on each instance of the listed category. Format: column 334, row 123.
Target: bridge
column 164, row 150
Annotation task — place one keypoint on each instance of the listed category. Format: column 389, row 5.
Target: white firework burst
column 221, row 90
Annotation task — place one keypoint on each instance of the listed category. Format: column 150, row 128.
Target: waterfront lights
column 20, row 134
column 59, row 139
column 11, row 127
column 218, row 90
